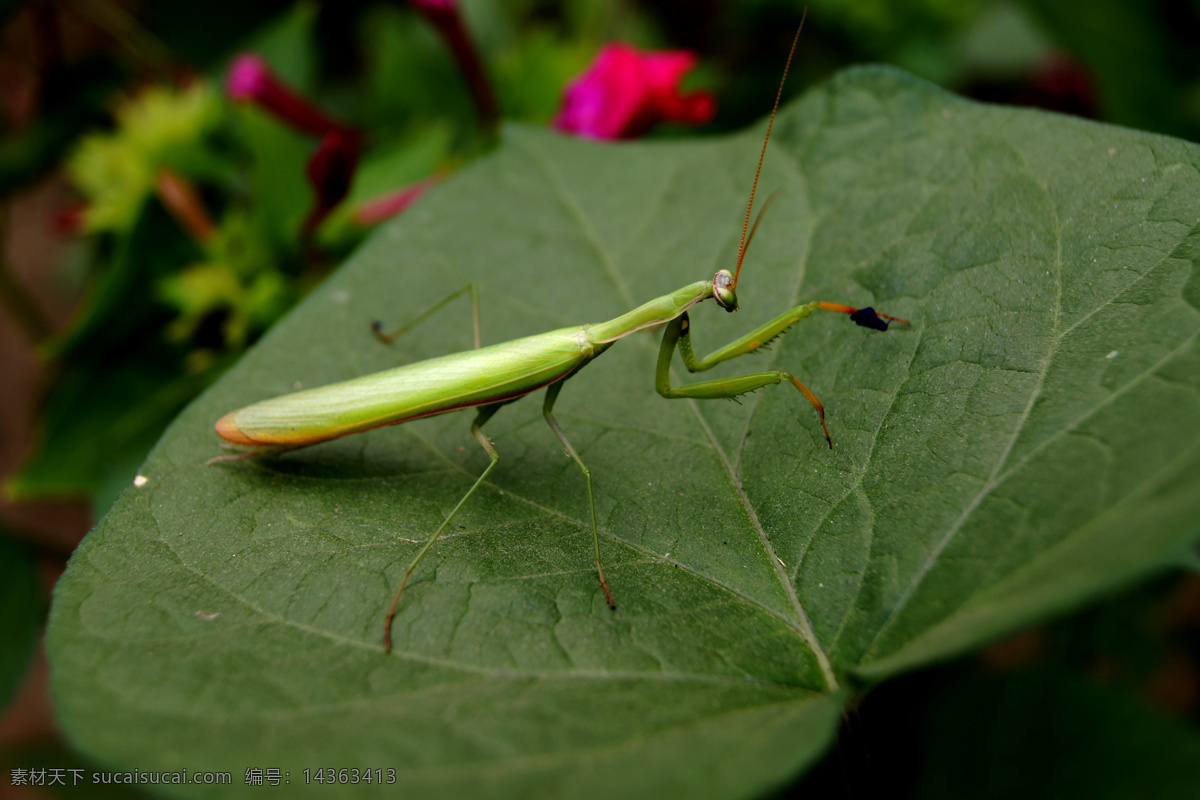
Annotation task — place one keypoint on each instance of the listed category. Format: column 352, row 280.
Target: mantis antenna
column 745, row 243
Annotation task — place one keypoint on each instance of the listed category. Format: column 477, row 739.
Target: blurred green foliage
column 159, row 127
column 166, row 313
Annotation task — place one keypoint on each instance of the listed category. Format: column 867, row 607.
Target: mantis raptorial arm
column 677, row 334
column 762, row 335
column 768, row 332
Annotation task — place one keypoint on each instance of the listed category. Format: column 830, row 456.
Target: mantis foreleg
column 485, row 413
column 677, row 334
column 768, row 332
column 388, row 338
column 547, row 407
column 762, row 335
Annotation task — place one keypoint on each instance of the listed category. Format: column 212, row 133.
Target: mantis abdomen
column 476, row 377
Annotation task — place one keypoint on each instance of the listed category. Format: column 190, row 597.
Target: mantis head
column 724, row 290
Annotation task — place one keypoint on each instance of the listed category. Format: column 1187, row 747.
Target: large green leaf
column 1032, row 439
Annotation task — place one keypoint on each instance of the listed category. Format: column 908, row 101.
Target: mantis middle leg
column 485, row 413
column 547, row 408
column 473, row 289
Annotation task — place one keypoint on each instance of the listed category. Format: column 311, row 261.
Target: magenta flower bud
column 386, row 206
column 248, row 77
column 429, row 7
column 250, row 80
column 627, row 91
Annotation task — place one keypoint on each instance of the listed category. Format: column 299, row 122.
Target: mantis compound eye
column 723, row 290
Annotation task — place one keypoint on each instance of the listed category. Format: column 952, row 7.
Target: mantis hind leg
column 485, row 413
column 547, row 408
column 473, row 289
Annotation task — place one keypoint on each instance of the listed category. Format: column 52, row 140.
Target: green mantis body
column 494, row 375
column 489, row 377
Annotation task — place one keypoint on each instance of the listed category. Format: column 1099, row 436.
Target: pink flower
column 626, row 92
column 250, row 80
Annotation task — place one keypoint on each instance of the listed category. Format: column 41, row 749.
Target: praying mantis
column 487, row 378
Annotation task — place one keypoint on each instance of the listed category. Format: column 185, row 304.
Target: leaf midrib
column 802, row 624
